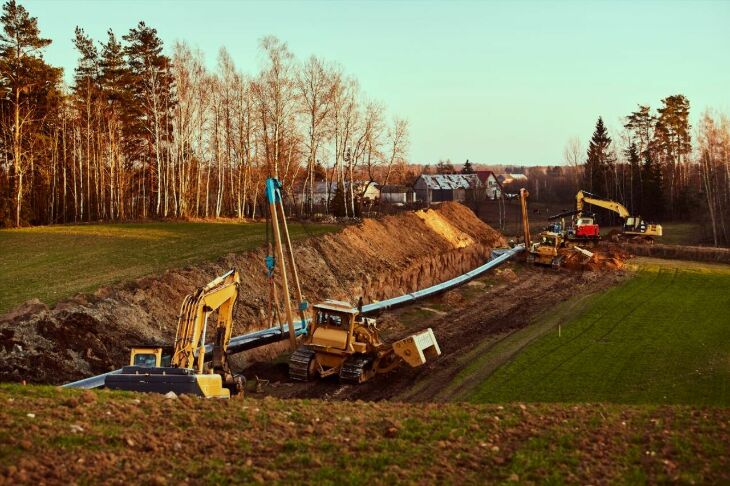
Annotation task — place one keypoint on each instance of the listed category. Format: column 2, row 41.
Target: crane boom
column 587, row 198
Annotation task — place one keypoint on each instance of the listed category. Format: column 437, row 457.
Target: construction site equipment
column 634, row 228
column 582, row 228
column 550, row 246
column 343, row 342
column 545, row 251
column 276, row 209
column 278, row 333
column 186, row 372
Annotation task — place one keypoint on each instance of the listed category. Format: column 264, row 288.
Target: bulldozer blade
column 417, row 348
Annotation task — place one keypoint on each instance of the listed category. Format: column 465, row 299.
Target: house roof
column 395, row 188
column 451, row 181
column 484, row 175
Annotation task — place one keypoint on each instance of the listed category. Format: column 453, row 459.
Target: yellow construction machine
column 634, row 228
column 343, row 342
column 546, row 250
column 186, row 371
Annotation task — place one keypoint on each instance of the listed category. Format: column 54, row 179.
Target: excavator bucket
column 417, row 348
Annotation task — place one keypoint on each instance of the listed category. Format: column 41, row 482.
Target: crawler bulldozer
column 545, row 251
column 343, row 342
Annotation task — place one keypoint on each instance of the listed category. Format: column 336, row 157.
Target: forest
column 149, row 131
column 142, row 134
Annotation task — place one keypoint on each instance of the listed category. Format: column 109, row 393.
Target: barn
column 445, row 187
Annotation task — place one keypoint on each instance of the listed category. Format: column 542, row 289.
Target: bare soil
column 462, row 320
column 377, row 259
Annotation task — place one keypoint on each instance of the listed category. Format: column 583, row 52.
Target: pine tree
column 445, row 167
column 151, row 90
column 632, row 154
column 467, row 169
column 31, row 85
column 598, row 163
column 652, row 191
column 672, row 143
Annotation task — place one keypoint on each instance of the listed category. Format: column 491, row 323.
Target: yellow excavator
column 343, row 342
column 186, row 371
column 546, row 250
column 634, row 228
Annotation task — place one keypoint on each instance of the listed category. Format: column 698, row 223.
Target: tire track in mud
column 492, row 315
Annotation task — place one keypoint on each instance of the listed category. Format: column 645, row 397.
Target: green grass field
column 52, row 435
column 54, row 262
column 661, row 337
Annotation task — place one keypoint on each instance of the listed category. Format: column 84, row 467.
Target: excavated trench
column 377, row 259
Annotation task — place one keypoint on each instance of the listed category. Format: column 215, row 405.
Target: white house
column 490, row 183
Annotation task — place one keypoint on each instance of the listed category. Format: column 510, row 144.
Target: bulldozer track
column 355, row 369
column 299, row 363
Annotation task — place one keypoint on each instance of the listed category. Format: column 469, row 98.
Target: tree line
column 146, row 133
column 656, row 171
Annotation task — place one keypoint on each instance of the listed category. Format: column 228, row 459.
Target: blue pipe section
column 275, row 334
column 236, row 345
column 498, row 257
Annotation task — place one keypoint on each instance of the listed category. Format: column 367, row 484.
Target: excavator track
column 356, row 369
column 300, row 363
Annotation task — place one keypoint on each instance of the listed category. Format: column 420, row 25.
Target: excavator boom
column 585, row 197
column 185, row 373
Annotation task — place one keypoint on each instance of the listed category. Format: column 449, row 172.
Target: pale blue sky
column 495, row 82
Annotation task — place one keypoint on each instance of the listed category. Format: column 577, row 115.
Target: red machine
column 585, row 228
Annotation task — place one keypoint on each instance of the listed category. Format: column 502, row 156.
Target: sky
column 492, row 82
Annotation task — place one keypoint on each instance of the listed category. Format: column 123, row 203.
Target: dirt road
column 471, row 317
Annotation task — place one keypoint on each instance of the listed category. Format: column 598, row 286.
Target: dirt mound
column 377, row 259
column 605, row 258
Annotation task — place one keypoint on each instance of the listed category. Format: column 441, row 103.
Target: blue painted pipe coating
column 498, row 257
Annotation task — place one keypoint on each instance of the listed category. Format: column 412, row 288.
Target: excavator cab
column 146, row 356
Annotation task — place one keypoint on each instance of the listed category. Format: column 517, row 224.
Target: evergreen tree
column 652, row 200
column 632, row 154
column 32, row 91
column 147, row 129
column 467, row 169
column 445, row 167
column 672, row 144
column 599, row 161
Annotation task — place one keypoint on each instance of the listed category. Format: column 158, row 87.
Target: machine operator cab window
column 148, row 360
column 329, row 319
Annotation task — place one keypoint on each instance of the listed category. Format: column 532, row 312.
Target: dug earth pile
column 377, row 259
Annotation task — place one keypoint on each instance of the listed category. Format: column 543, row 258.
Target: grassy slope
column 54, row 262
column 661, row 337
column 99, row 437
